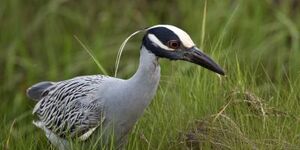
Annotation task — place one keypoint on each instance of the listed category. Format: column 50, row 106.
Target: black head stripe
column 164, row 34
column 158, row 51
column 154, row 49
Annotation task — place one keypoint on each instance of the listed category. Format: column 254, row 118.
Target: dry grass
column 220, row 131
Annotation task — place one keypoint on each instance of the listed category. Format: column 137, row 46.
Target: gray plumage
column 36, row 91
column 70, row 107
column 78, row 107
column 75, row 107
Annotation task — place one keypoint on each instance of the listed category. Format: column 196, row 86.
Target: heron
column 90, row 106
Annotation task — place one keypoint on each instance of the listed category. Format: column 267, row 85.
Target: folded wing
column 69, row 108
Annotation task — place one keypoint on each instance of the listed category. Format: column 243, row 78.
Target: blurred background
column 256, row 41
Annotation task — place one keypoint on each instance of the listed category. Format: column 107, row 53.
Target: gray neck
column 142, row 86
column 148, row 71
column 134, row 95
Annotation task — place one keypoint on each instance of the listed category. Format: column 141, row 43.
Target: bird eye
column 173, row 44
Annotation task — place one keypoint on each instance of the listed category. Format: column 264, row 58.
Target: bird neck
column 140, row 89
column 149, row 70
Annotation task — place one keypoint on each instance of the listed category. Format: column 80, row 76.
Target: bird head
column 167, row 41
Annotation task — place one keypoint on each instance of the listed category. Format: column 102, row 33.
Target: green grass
column 256, row 106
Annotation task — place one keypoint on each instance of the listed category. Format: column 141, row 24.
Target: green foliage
column 256, row 106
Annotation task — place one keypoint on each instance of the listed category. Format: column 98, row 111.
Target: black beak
column 195, row 56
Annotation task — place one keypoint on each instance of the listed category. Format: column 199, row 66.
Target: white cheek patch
column 158, row 43
column 182, row 35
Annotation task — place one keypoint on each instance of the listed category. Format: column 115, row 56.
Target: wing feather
column 70, row 108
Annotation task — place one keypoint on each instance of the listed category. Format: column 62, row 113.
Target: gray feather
column 36, row 91
column 70, row 107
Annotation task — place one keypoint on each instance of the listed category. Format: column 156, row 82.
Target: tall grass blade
column 90, row 53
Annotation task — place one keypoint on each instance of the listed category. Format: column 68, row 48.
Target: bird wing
column 71, row 108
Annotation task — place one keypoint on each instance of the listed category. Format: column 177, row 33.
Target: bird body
column 78, row 107
column 95, row 99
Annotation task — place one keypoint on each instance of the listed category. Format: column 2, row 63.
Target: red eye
column 173, row 44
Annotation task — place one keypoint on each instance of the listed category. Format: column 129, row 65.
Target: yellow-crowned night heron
column 78, row 107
